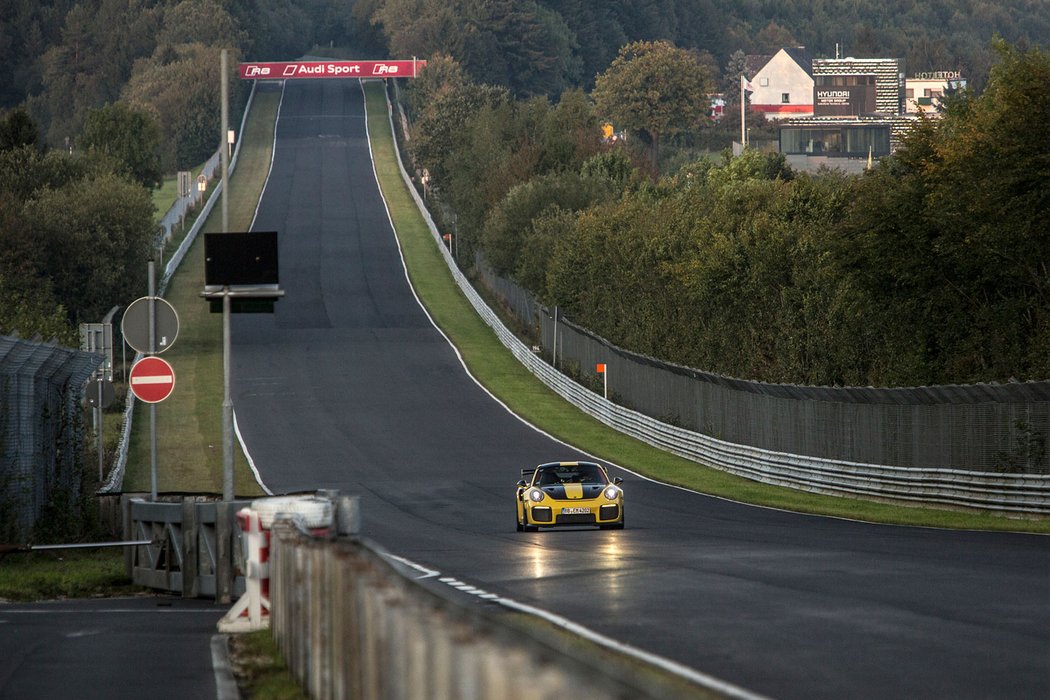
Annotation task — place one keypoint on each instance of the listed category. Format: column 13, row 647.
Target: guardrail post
column 223, row 552
column 190, row 568
column 348, row 516
column 128, row 529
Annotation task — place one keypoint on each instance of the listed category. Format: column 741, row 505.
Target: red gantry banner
column 331, row 69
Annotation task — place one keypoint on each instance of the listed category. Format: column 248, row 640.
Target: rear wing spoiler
column 526, row 474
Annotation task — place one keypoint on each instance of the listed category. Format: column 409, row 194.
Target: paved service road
column 149, row 647
column 349, row 386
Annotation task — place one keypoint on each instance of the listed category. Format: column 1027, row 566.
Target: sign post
column 144, row 320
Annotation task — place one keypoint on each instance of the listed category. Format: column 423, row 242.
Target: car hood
column 570, row 492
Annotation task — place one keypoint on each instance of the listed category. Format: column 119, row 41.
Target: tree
column 94, row 238
column 130, row 137
column 440, row 129
column 441, row 74
column 18, row 129
column 509, row 224
column 28, row 307
column 200, row 22
column 179, row 86
column 654, row 88
column 515, row 43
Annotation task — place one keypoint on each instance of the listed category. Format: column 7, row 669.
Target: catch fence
column 41, row 427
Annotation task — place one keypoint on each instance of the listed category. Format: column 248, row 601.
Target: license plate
column 575, row 511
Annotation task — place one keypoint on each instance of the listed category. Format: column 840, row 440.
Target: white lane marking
column 427, row 573
column 82, row 633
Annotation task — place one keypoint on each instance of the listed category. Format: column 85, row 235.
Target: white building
column 922, row 92
column 783, row 84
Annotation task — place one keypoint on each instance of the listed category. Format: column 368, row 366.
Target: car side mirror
column 617, row 480
column 522, row 483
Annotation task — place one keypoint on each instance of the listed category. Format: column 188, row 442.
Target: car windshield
column 571, row 474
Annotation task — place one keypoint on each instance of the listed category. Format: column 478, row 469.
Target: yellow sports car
column 569, row 493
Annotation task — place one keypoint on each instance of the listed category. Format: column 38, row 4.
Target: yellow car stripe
column 573, row 490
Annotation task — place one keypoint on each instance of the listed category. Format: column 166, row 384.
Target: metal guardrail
column 1006, row 493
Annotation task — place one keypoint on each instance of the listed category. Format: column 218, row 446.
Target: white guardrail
column 1008, row 493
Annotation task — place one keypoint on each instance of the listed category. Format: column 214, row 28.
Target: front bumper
column 551, row 513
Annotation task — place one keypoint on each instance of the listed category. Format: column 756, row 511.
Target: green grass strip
column 505, row 377
column 64, row 574
column 189, row 422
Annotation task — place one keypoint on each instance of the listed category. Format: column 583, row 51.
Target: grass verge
column 528, row 397
column 189, row 422
column 260, row 670
column 52, row 574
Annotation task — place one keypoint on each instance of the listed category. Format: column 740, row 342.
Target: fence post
column 190, row 538
column 223, row 552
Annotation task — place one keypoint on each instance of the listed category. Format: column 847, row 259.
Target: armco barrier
column 350, row 625
column 1005, row 493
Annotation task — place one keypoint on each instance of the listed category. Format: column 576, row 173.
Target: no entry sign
column 152, row 379
column 331, row 69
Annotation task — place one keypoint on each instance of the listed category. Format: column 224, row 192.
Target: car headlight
column 612, row 493
column 536, row 495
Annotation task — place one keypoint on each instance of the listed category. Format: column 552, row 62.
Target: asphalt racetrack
column 348, row 385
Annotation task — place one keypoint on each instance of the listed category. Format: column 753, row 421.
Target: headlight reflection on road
column 604, row 560
column 611, row 555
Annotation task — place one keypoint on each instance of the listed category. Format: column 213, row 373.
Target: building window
column 854, row 141
column 909, row 93
column 763, row 82
column 785, row 97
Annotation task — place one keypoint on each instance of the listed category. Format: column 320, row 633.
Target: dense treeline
column 104, row 97
column 74, row 239
column 544, row 46
column 69, row 58
column 930, row 269
column 129, row 88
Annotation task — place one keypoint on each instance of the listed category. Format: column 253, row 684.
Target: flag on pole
column 446, row 236
column 746, row 85
column 600, row 368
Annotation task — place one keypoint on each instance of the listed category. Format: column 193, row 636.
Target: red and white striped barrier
column 252, row 611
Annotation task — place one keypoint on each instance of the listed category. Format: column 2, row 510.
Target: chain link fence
column 41, row 427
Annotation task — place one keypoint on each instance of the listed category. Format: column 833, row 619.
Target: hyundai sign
column 331, row 69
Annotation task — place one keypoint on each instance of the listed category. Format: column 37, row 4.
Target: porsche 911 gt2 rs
column 569, row 493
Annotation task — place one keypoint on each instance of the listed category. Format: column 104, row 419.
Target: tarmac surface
column 153, row 647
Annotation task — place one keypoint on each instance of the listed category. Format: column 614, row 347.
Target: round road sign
column 135, row 324
column 152, row 379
